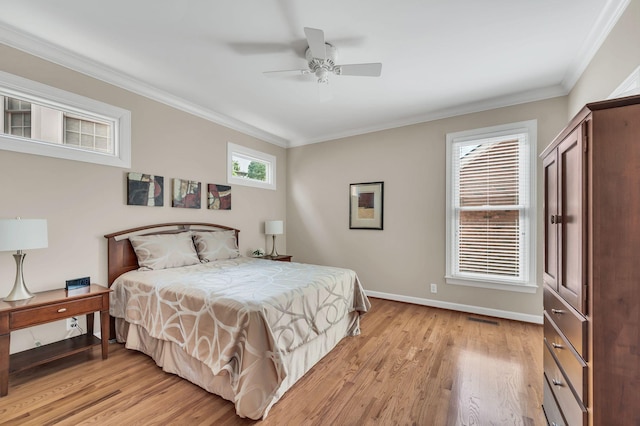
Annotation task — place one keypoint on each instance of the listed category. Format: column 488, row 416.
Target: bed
column 245, row 329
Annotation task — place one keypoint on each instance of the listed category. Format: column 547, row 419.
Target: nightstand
column 279, row 258
column 45, row 307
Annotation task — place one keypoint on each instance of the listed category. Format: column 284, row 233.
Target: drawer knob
column 557, row 311
column 61, row 310
column 557, row 346
column 556, row 382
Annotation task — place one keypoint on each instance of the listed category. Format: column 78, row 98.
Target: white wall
column 83, row 201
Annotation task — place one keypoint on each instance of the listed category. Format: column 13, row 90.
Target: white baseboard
column 517, row 316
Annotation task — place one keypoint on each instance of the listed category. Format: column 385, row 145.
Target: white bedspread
column 240, row 316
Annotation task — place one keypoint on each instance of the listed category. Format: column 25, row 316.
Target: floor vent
column 486, row 321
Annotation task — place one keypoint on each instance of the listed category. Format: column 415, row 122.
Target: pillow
column 216, row 245
column 164, row 251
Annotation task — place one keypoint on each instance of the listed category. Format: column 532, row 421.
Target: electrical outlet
column 434, row 288
column 72, row 323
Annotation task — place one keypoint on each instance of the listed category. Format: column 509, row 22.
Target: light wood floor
column 412, row 365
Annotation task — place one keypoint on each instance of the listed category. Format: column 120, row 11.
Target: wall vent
column 486, row 321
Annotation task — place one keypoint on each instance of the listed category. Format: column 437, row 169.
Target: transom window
column 42, row 120
column 490, row 215
column 249, row 167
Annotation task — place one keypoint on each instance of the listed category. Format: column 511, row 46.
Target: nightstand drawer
column 569, row 321
column 48, row 313
column 572, row 364
column 573, row 410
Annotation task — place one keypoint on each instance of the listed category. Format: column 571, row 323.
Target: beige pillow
column 164, row 251
column 216, row 245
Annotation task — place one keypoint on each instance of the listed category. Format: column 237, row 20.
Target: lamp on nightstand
column 273, row 227
column 21, row 234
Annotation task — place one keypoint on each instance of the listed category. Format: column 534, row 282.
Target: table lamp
column 21, row 234
column 273, row 227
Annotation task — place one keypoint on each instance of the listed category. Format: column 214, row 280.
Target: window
column 42, row 120
column 490, row 208
column 249, row 167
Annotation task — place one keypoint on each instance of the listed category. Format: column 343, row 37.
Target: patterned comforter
column 240, row 316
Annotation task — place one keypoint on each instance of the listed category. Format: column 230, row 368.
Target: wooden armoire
column 592, row 267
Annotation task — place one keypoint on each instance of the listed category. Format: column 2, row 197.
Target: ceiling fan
column 321, row 59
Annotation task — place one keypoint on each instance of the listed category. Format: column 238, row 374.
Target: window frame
column 251, row 154
column 70, row 104
column 528, row 283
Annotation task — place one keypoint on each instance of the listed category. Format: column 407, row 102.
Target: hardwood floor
column 412, row 365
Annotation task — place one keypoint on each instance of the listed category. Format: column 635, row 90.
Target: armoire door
column 570, row 220
column 550, row 206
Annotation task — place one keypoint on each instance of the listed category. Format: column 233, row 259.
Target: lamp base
column 20, row 290
column 274, row 252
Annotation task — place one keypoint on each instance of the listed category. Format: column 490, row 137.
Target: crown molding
column 43, row 49
column 470, row 108
column 610, row 15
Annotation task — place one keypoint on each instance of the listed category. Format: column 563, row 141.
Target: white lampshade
column 273, row 227
column 23, row 234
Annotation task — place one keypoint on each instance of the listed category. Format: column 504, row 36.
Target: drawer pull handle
column 557, row 311
column 554, row 424
column 556, row 346
column 61, row 310
column 556, row 382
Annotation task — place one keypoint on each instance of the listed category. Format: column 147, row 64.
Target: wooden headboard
column 121, row 258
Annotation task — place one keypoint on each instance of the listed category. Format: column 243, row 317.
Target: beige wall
column 83, row 201
column 409, row 254
column 616, row 59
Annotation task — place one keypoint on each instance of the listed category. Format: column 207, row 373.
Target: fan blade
column 365, row 70
column 299, row 71
column 315, row 38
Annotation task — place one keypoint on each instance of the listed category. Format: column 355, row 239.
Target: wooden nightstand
column 45, row 307
column 280, row 257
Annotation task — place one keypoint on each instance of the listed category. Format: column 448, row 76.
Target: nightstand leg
column 90, row 323
column 4, row 364
column 104, row 333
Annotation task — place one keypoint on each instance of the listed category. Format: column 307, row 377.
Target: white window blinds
column 489, row 205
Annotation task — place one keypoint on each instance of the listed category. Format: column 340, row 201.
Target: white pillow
column 162, row 251
column 216, row 245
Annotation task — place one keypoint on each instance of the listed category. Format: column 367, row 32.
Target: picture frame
column 186, row 193
column 145, row 190
column 366, row 205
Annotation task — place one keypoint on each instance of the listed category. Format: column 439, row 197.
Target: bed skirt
column 172, row 359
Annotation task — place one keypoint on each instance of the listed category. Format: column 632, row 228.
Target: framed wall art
column 366, row 205
column 186, row 194
column 145, row 190
column 218, row 197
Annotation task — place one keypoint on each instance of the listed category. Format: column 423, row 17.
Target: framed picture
column 366, row 205
column 145, row 190
column 218, row 197
column 186, row 194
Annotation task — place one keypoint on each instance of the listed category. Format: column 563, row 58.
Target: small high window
column 249, row 167
column 42, row 120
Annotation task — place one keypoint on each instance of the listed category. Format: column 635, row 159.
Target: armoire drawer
column 573, row 411
column 570, row 323
column 572, row 364
column 550, row 406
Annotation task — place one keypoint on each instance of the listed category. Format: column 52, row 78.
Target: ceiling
column 440, row 58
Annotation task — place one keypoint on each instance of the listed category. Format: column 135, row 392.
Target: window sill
column 494, row 285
